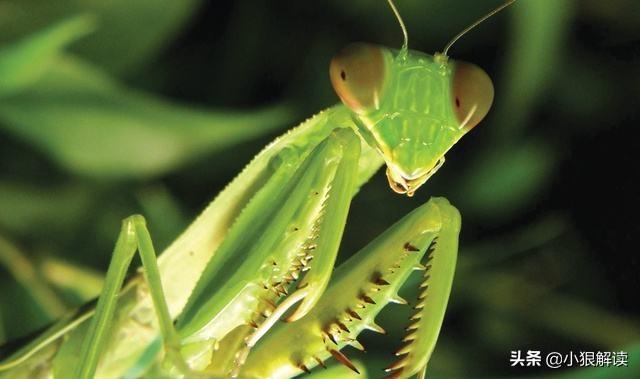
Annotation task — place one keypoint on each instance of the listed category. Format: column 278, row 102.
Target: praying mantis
column 264, row 249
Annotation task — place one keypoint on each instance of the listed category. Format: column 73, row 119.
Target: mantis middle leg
column 134, row 236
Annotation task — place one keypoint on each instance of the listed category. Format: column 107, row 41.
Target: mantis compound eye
column 357, row 75
column 472, row 94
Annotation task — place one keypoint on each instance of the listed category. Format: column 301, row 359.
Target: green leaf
column 130, row 32
column 506, row 179
column 25, row 273
column 27, row 208
column 94, row 126
column 533, row 62
column 23, row 63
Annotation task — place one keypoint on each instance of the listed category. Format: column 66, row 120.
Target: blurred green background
column 109, row 108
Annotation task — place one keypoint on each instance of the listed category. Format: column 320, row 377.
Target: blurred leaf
column 79, row 283
column 92, row 125
column 23, row 63
column 19, row 266
column 535, row 51
column 536, row 304
column 27, row 208
column 584, row 92
column 484, row 254
column 504, row 180
column 130, row 31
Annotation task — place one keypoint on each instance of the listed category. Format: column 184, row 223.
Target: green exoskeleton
column 264, row 249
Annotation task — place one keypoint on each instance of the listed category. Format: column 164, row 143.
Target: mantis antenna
column 405, row 44
column 470, row 27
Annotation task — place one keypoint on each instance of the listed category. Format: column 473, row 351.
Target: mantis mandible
column 265, row 247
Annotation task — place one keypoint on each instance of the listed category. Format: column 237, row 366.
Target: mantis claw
column 360, row 289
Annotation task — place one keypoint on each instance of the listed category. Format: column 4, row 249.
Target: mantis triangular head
column 410, row 106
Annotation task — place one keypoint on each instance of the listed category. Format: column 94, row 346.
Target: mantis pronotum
column 265, row 248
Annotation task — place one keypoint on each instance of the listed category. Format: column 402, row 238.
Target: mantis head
column 410, row 106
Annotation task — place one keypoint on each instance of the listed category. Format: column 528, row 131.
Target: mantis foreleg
column 426, row 240
column 292, row 231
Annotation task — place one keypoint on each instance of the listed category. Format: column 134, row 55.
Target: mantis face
column 410, row 106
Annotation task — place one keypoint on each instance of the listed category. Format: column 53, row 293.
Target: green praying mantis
column 264, row 249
